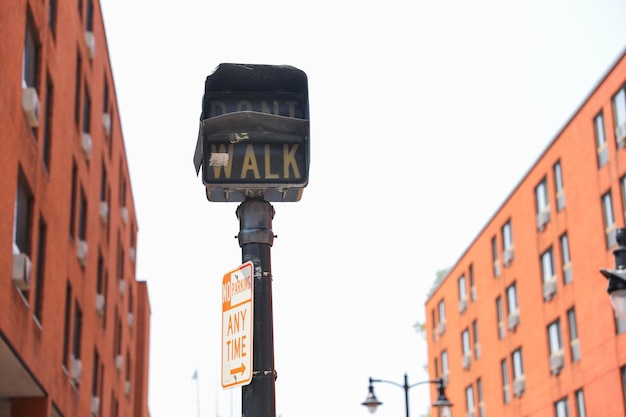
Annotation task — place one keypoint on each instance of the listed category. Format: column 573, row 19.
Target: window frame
column 608, row 218
column 602, row 148
column 559, row 186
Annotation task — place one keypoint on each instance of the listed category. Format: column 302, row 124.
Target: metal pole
column 406, row 394
column 255, row 239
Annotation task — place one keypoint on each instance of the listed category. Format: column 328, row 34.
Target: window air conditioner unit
column 76, row 370
column 560, row 200
column 507, row 256
column 122, row 286
column 104, row 212
column 556, row 363
column 95, row 406
column 131, row 319
column 513, row 320
column 125, row 214
column 467, row 360
column 87, row 144
column 462, row 305
column 575, row 350
column 132, row 253
column 21, row 271
column 567, row 273
column 127, row 388
column 90, row 41
column 30, row 104
column 106, row 123
column 100, row 300
column 620, row 133
column 81, row 252
column 543, row 218
column 549, row 289
column 518, row 386
column 119, row 362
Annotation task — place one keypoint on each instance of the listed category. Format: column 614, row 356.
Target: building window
column 52, row 16
column 30, row 63
column 462, row 294
column 82, row 217
column 573, row 335
column 511, row 305
column 47, row 129
column 95, row 378
column 66, row 326
column 548, row 274
column 86, row 111
column 469, row 400
column 566, row 261
column 128, row 369
column 518, row 368
column 467, row 350
column 89, row 17
column 622, row 371
column 507, row 244
column 558, row 187
column 442, row 317
column 78, row 330
column 609, row 220
column 580, row 404
column 505, row 382
column 602, row 149
column 73, row 200
column 481, row 397
column 622, row 182
column 496, row 262
column 619, row 115
column 77, row 84
column 39, row 278
column 445, row 370
column 476, row 340
column 542, row 205
column 472, row 284
column 22, row 220
column 561, row 408
column 500, row 317
column 555, row 344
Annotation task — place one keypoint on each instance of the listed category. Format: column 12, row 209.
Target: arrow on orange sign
column 241, row 369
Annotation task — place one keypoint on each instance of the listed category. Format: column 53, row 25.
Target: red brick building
column 74, row 321
column 522, row 324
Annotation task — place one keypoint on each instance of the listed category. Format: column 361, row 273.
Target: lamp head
column 617, row 276
column 371, row 402
column 442, row 401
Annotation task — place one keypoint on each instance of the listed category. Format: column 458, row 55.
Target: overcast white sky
column 424, row 117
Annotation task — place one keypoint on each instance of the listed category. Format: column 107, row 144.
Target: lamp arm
column 372, row 381
column 436, row 381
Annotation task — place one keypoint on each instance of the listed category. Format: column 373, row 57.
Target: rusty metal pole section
column 254, row 148
column 255, row 239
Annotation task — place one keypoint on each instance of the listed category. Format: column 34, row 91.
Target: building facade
column 522, row 324
column 74, row 321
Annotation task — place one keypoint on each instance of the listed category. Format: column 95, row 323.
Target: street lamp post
column 617, row 276
column 372, row 403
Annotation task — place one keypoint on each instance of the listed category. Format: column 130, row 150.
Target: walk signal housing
column 254, row 133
